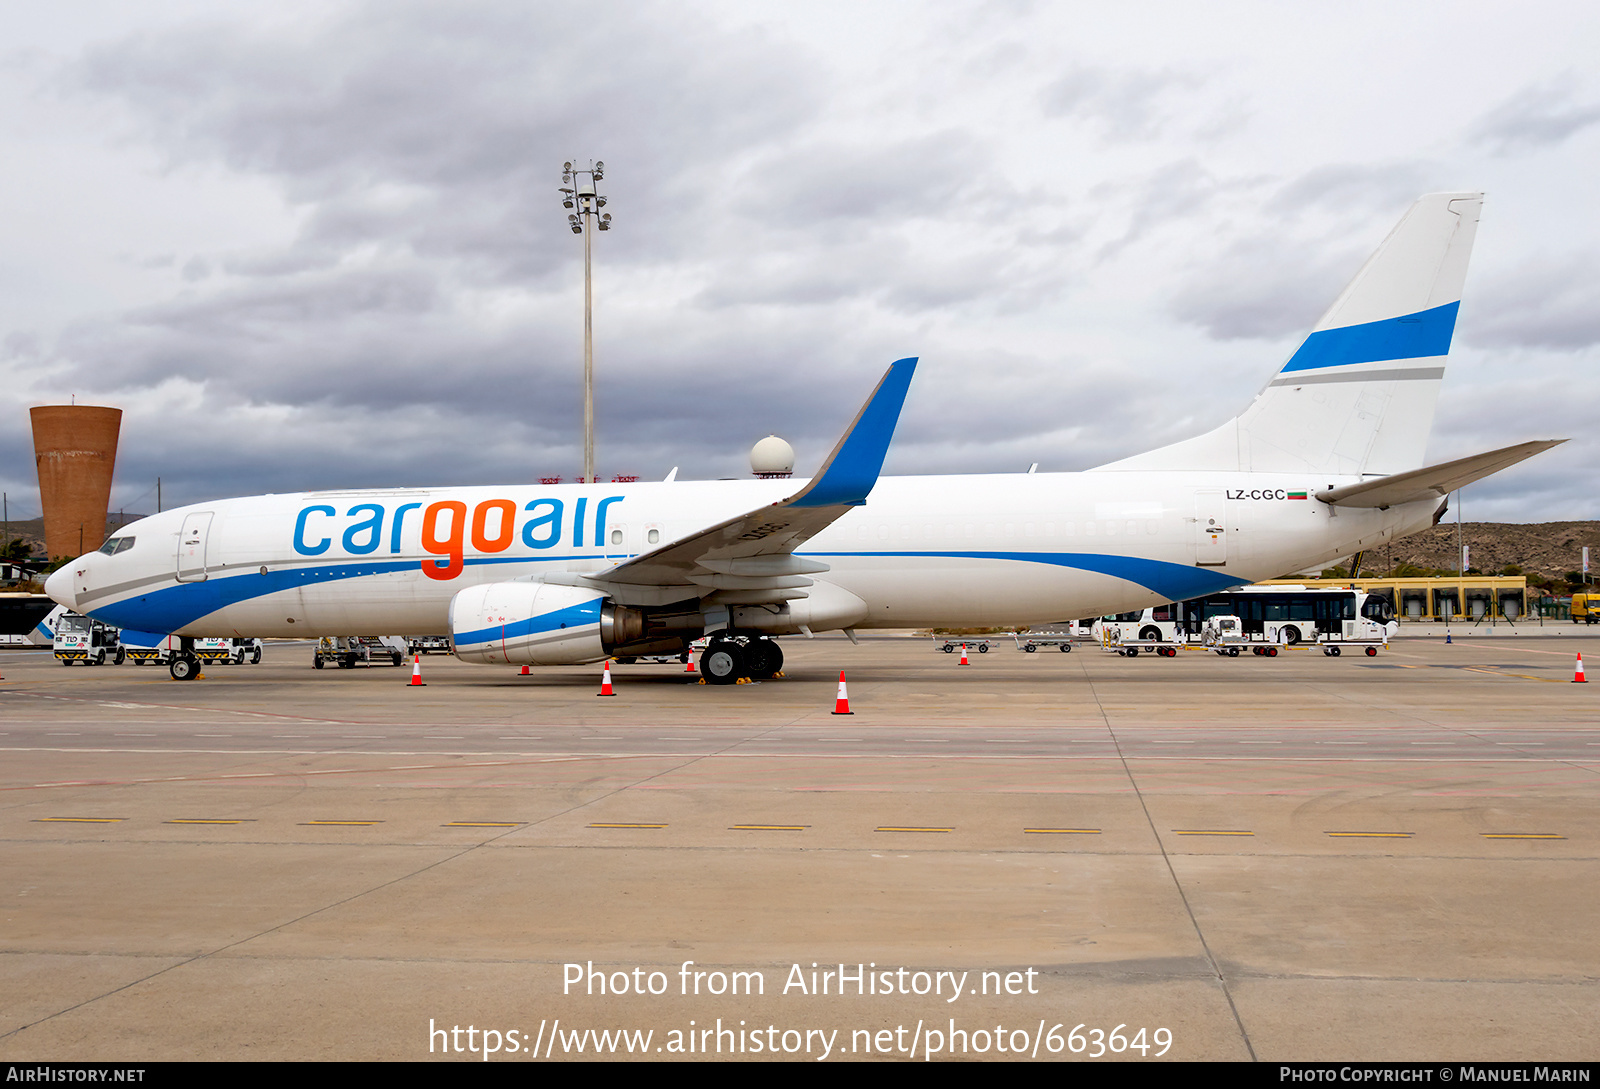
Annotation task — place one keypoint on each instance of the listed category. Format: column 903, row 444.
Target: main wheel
column 763, row 658
column 184, row 668
column 722, row 663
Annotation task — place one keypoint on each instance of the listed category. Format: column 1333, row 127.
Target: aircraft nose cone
column 59, row 587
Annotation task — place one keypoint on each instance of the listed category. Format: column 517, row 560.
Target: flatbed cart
column 1333, row 647
column 1030, row 643
column 1111, row 639
column 980, row 645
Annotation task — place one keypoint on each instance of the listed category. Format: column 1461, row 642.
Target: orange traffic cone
column 1577, row 672
column 524, row 672
column 964, row 655
column 841, row 704
column 688, row 663
column 416, row 672
column 605, row 681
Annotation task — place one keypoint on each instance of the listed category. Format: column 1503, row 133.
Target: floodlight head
column 567, row 167
column 576, row 229
column 599, row 202
column 599, row 167
column 567, row 203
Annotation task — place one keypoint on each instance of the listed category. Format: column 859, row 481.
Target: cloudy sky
column 310, row 245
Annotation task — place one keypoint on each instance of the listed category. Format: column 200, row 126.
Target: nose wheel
column 184, row 667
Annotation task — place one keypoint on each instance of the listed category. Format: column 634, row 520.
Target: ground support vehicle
column 1225, row 635
column 246, row 650
column 428, row 644
column 80, row 639
column 348, row 651
column 1585, row 608
column 216, row 651
column 977, row 646
column 1031, row 642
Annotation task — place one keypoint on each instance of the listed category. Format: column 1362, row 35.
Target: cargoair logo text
column 447, row 528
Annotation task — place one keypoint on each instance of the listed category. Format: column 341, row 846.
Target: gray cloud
column 1538, row 116
column 1546, row 304
column 1124, row 105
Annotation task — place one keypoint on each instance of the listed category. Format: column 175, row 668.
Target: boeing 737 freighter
column 1325, row 461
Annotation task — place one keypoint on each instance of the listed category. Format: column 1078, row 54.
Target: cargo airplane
column 1328, row 459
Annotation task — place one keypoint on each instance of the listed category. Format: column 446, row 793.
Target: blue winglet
column 852, row 469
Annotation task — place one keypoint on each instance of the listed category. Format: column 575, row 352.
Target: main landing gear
column 727, row 658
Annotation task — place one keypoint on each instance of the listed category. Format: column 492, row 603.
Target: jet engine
column 535, row 623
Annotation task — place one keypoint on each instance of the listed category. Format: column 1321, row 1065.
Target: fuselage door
column 192, row 547
column 1211, row 528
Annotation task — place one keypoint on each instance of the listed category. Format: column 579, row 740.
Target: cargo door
column 192, row 543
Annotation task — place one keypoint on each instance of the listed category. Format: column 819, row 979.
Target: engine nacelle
column 528, row 623
column 534, row 623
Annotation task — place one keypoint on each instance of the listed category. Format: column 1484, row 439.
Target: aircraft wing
column 1434, row 482
column 755, row 551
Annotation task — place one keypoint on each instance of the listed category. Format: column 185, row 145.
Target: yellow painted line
column 361, row 823
column 203, row 820
column 769, row 827
column 1518, row 676
column 1211, row 832
column 1520, row 835
column 599, row 825
column 1372, row 835
column 907, row 828
column 1063, row 831
column 485, row 824
column 79, row 820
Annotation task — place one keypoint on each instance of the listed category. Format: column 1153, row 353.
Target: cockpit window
column 117, row 544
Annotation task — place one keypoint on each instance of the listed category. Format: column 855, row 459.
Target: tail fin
column 1357, row 397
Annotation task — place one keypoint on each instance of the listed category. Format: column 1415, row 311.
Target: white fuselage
column 923, row 551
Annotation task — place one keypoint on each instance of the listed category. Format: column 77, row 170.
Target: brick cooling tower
column 75, row 447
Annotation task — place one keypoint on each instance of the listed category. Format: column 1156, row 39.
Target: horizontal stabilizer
column 1433, row 482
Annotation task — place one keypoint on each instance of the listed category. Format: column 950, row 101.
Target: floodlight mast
column 587, row 201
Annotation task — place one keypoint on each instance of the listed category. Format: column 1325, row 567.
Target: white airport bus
column 1297, row 614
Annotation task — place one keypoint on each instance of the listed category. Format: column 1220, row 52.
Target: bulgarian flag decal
column 1297, row 495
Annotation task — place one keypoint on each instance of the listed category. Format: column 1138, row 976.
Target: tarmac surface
column 1290, row 858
